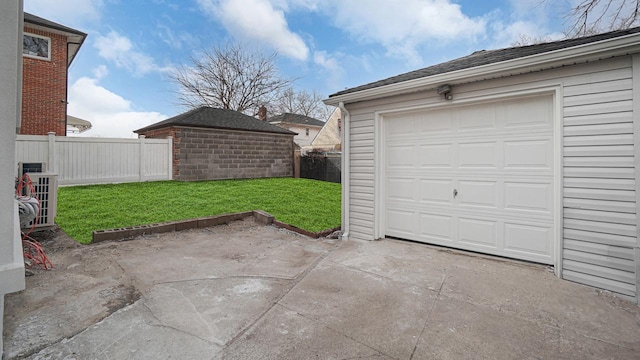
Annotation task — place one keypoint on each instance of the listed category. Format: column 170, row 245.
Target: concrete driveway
column 247, row 291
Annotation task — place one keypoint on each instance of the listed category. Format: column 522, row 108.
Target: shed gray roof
column 295, row 119
column 484, row 57
column 207, row 117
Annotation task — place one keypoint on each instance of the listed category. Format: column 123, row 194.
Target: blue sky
column 120, row 78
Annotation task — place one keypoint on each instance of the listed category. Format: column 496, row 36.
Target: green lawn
column 308, row 204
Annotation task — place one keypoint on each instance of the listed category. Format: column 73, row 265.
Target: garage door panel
column 437, row 227
column 529, row 196
column 527, row 112
column 437, row 155
column 440, row 122
column 436, row 191
column 478, row 232
column 528, row 239
column 478, row 193
column 528, row 154
column 400, row 189
column 476, row 117
column 472, row 155
column 400, row 156
column 400, row 223
column 498, row 157
column 401, row 126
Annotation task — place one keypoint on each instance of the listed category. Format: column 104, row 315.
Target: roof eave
column 149, row 128
column 75, row 38
column 577, row 54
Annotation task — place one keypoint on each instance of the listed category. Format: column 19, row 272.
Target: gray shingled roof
column 207, row 117
column 485, row 57
column 295, row 119
column 30, row 18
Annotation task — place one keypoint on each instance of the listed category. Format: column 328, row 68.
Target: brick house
column 48, row 49
column 211, row 144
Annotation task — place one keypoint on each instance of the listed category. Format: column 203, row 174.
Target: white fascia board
column 619, row 46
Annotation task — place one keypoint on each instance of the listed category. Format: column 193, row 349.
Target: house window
column 36, row 46
column 307, row 130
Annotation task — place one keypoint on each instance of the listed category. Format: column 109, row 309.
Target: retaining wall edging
column 262, row 217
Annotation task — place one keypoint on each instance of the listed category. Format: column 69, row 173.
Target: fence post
column 52, row 152
column 170, row 138
column 141, row 139
column 296, row 163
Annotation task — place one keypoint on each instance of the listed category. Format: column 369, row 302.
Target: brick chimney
column 262, row 113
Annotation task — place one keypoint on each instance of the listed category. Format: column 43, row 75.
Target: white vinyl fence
column 79, row 160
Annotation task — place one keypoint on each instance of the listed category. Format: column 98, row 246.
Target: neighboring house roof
column 75, row 38
column 551, row 54
column 290, row 118
column 80, row 124
column 207, row 117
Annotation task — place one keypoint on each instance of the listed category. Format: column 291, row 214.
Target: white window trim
column 48, row 58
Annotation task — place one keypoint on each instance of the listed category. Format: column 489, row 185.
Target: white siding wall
column 599, row 185
column 98, row 160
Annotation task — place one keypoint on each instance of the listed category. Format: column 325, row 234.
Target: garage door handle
column 455, row 193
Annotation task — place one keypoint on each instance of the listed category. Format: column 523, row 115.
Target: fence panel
column 98, row 160
column 319, row 166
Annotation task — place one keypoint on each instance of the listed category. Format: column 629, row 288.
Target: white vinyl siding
column 599, row 183
column 599, row 176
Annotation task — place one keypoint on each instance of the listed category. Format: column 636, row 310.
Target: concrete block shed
column 525, row 152
column 213, row 144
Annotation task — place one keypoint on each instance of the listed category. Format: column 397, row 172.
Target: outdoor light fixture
column 445, row 91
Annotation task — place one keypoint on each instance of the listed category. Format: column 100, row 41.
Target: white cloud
column 331, row 65
column 258, row 20
column 401, row 27
column 100, row 71
column 119, row 50
column 110, row 114
column 66, row 12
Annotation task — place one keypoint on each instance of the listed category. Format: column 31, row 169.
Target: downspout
column 346, row 166
column 66, row 88
column 66, row 92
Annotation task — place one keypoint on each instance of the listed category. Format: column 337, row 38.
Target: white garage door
column 476, row 177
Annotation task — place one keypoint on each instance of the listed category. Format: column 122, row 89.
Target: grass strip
column 308, row 204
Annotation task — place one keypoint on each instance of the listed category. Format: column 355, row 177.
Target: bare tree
column 230, row 77
column 524, row 40
column 301, row 102
column 594, row 16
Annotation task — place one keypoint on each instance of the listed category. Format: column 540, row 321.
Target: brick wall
column 44, row 89
column 212, row 154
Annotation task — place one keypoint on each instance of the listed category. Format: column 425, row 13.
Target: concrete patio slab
column 286, row 334
column 461, row 330
column 245, row 291
column 382, row 314
column 130, row 333
column 213, row 310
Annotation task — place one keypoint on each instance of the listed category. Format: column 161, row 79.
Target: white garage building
column 525, row 152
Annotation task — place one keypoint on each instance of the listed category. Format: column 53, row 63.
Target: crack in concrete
column 336, row 331
column 161, row 324
column 426, row 321
column 384, row 276
column 275, row 278
column 276, row 301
